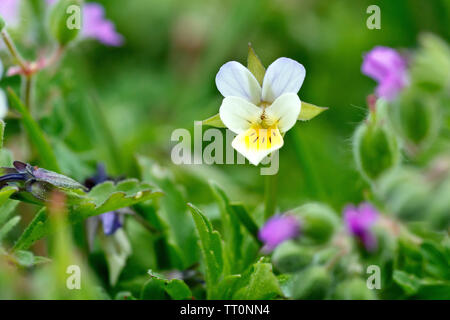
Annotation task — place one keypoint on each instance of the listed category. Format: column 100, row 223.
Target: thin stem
column 270, row 195
column 13, row 51
column 27, row 91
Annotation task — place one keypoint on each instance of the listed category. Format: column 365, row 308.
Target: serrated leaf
column 255, row 65
column 102, row 198
column 157, row 286
column 309, row 111
column 214, row 121
column 108, row 197
column 211, row 248
column 262, row 284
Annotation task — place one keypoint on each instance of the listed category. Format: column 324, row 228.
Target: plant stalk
column 270, row 195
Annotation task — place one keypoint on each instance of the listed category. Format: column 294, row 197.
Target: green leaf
column 246, row 220
column 35, row 134
column 8, row 226
column 157, row 286
column 214, row 121
column 227, row 287
column 435, row 261
column 231, row 229
column 117, row 249
column 154, row 289
column 102, row 198
column 59, row 18
column 255, row 65
column 178, row 290
column 24, row 258
column 5, row 194
column 408, row 282
column 262, row 284
column 211, row 248
column 35, row 230
column 309, row 111
column 179, row 227
column 108, row 197
column 2, row 133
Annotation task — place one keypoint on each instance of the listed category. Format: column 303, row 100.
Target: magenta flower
column 9, row 10
column 96, row 26
column 359, row 221
column 278, row 229
column 388, row 68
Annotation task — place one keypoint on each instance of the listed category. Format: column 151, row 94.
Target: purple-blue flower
column 360, row 221
column 388, row 68
column 96, row 26
column 278, row 229
column 111, row 221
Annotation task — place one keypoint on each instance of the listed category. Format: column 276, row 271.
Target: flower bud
column 291, row 257
column 319, row 222
column 405, row 193
column 416, row 118
column 65, row 20
column 375, row 146
column 353, row 289
column 311, row 283
column 430, row 65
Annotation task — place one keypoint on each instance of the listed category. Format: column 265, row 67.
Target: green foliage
column 35, row 133
column 62, row 22
column 105, row 197
column 318, row 222
column 158, row 287
column 85, row 103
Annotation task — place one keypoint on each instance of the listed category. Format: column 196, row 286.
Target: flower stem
column 13, row 50
column 270, row 195
column 27, row 90
column 27, row 78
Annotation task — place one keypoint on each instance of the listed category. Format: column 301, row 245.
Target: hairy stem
column 13, row 50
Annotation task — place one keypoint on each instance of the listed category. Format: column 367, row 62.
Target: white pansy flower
column 3, row 99
column 260, row 115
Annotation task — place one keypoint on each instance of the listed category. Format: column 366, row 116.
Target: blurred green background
column 162, row 78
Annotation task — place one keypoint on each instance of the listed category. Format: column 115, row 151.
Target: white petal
column 235, row 80
column 282, row 76
column 3, row 104
column 238, row 114
column 284, row 111
column 256, row 143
